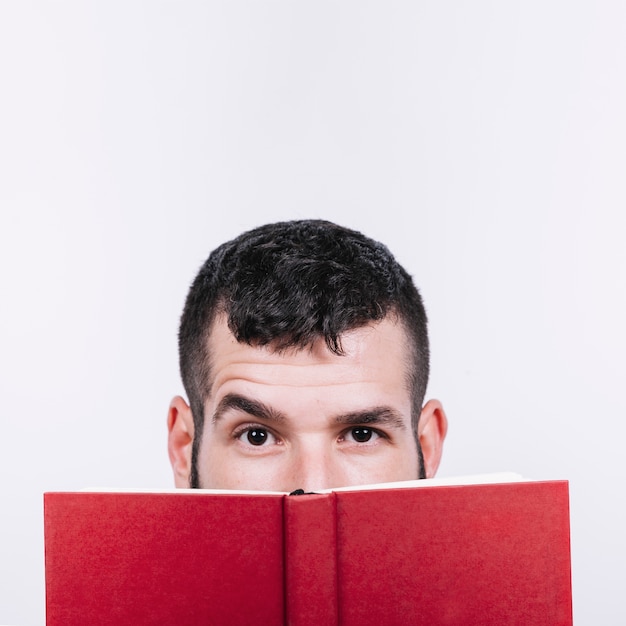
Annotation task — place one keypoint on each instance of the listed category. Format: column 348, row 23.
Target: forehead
column 376, row 355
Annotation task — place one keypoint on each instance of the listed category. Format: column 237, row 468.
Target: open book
column 494, row 550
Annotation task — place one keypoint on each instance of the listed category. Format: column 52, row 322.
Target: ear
column 179, row 440
column 431, row 430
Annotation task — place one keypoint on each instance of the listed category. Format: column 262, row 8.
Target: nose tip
column 314, row 472
column 311, row 484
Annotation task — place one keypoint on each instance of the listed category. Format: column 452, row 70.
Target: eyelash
column 375, row 431
column 246, row 428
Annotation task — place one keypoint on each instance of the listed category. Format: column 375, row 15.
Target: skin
column 322, row 420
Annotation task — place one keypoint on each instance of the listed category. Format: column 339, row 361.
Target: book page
column 474, row 479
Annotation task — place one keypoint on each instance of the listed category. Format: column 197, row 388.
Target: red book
column 487, row 554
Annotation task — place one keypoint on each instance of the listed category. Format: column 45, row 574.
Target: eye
column 362, row 434
column 255, row 435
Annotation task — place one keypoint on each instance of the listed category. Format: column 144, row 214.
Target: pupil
column 362, row 434
column 257, row 437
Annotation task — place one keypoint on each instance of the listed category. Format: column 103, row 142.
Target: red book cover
column 480, row 554
column 474, row 554
column 131, row 559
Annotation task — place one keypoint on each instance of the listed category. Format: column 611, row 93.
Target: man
column 304, row 355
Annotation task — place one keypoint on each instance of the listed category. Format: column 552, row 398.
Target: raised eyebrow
column 233, row 401
column 384, row 416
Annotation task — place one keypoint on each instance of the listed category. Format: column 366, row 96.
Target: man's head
column 303, row 340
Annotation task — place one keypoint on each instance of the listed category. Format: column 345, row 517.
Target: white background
column 483, row 142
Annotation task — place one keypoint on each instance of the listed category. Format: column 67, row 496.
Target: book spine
column 310, row 533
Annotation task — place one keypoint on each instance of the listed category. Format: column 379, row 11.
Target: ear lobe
column 179, row 440
column 431, row 430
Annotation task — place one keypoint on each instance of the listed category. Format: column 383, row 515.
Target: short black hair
column 288, row 284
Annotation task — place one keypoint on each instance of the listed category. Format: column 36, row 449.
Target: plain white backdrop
column 483, row 142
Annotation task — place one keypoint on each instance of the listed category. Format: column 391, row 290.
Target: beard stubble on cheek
column 194, row 477
column 421, row 468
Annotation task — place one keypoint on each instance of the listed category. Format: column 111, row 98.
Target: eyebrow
column 377, row 416
column 381, row 416
column 233, row 401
